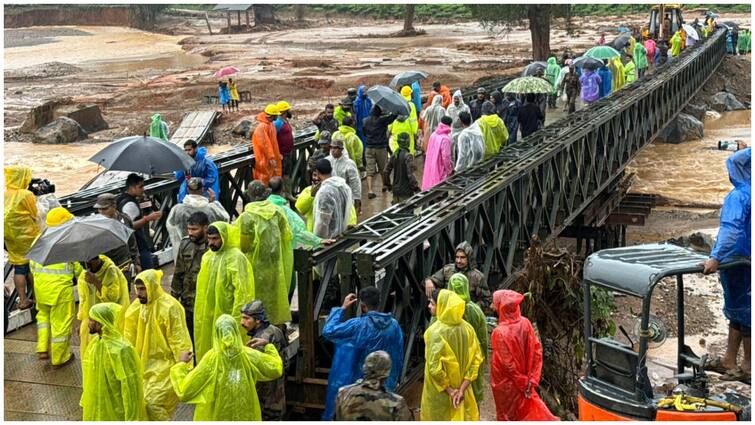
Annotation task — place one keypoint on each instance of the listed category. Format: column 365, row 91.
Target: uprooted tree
column 503, row 16
column 551, row 283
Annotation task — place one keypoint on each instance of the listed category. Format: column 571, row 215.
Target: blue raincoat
column 206, row 169
column 734, row 239
column 417, row 96
column 354, row 340
column 729, row 42
column 606, row 78
column 362, row 107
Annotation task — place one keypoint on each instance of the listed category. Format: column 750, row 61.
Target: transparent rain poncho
column 224, row 284
column 452, row 355
column 20, row 214
column 433, row 114
column 265, row 239
column 112, row 372
column 332, row 208
column 178, row 218
column 473, row 315
column 223, row 385
column 158, row 332
column 470, row 148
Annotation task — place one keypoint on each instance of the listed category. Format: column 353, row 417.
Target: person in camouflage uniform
column 188, row 262
column 464, row 264
column 272, row 395
column 367, row 399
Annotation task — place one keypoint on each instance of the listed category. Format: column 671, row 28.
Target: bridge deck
column 194, row 126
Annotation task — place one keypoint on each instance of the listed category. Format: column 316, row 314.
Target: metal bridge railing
column 537, row 186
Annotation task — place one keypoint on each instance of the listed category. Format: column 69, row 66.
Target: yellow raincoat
column 352, row 143
column 474, row 316
column 676, row 44
column 114, row 290
column 266, row 241
column 20, row 214
column 406, row 126
column 305, row 204
column 495, row 135
column 112, row 372
column 223, row 384
column 617, row 72
column 452, row 354
column 158, row 332
column 224, row 284
column 53, row 290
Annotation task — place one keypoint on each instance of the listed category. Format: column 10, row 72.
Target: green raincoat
column 640, row 56
column 552, row 71
column 494, row 134
column 300, row 235
column 112, row 372
column 266, row 241
column 224, row 284
column 452, row 354
column 630, row 72
column 474, row 316
column 158, row 128
column 223, row 385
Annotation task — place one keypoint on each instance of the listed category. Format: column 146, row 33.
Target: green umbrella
column 527, row 85
column 603, row 52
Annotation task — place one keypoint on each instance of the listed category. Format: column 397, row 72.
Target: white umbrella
column 690, row 30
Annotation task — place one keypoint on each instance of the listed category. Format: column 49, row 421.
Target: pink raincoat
column 438, row 164
column 650, row 47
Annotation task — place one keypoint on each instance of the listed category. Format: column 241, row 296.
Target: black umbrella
column 533, row 68
column 142, row 154
column 620, row 42
column 407, row 78
column 79, row 239
column 388, row 100
column 587, row 62
column 731, row 25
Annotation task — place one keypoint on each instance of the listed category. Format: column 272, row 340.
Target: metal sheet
column 42, row 399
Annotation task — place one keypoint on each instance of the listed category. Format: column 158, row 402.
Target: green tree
column 494, row 16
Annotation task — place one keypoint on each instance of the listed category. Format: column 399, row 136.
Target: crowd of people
column 218, row 338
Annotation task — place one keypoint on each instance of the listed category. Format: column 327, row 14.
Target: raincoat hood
column 345, row 130
column 201, row 154
column 467, row 248
column 460, row 285
column 552, row 61
column 107, row 315
column 151, row 279
column 491, row 120
column 196, row 201
column 437, row 101
column 739, row 168
column 450, row 308
column 443, row 129
column 497, row 96
column 380, row 320
column 361, row 92
column 227, row 234
column 458, row 94
column 506, row 303
column 226, row 339
column 17, row 177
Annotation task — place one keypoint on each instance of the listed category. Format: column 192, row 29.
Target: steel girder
column 535, row 187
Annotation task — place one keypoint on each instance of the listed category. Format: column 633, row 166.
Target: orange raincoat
column 267, row 158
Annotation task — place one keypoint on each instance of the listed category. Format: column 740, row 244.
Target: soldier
column 272, row 394
column 464, row 264
column 188, row 262
column 367, row 399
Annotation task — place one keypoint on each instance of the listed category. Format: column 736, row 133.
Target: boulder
column 243, row 128
column 697, row 241
column 697, row 111
column 41, row 115
column 683, row 128
column 89, row 117
column 60, row 131
column 723, row 101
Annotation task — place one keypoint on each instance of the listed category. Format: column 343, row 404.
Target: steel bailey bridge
column 563, row 180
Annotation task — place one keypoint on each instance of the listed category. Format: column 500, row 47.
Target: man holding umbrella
column 53, row 287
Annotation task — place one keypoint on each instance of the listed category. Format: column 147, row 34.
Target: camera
column 41, row 187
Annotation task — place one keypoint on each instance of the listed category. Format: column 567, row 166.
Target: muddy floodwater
column 692, row 173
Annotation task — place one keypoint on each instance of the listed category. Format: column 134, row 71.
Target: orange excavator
column 616, row 385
